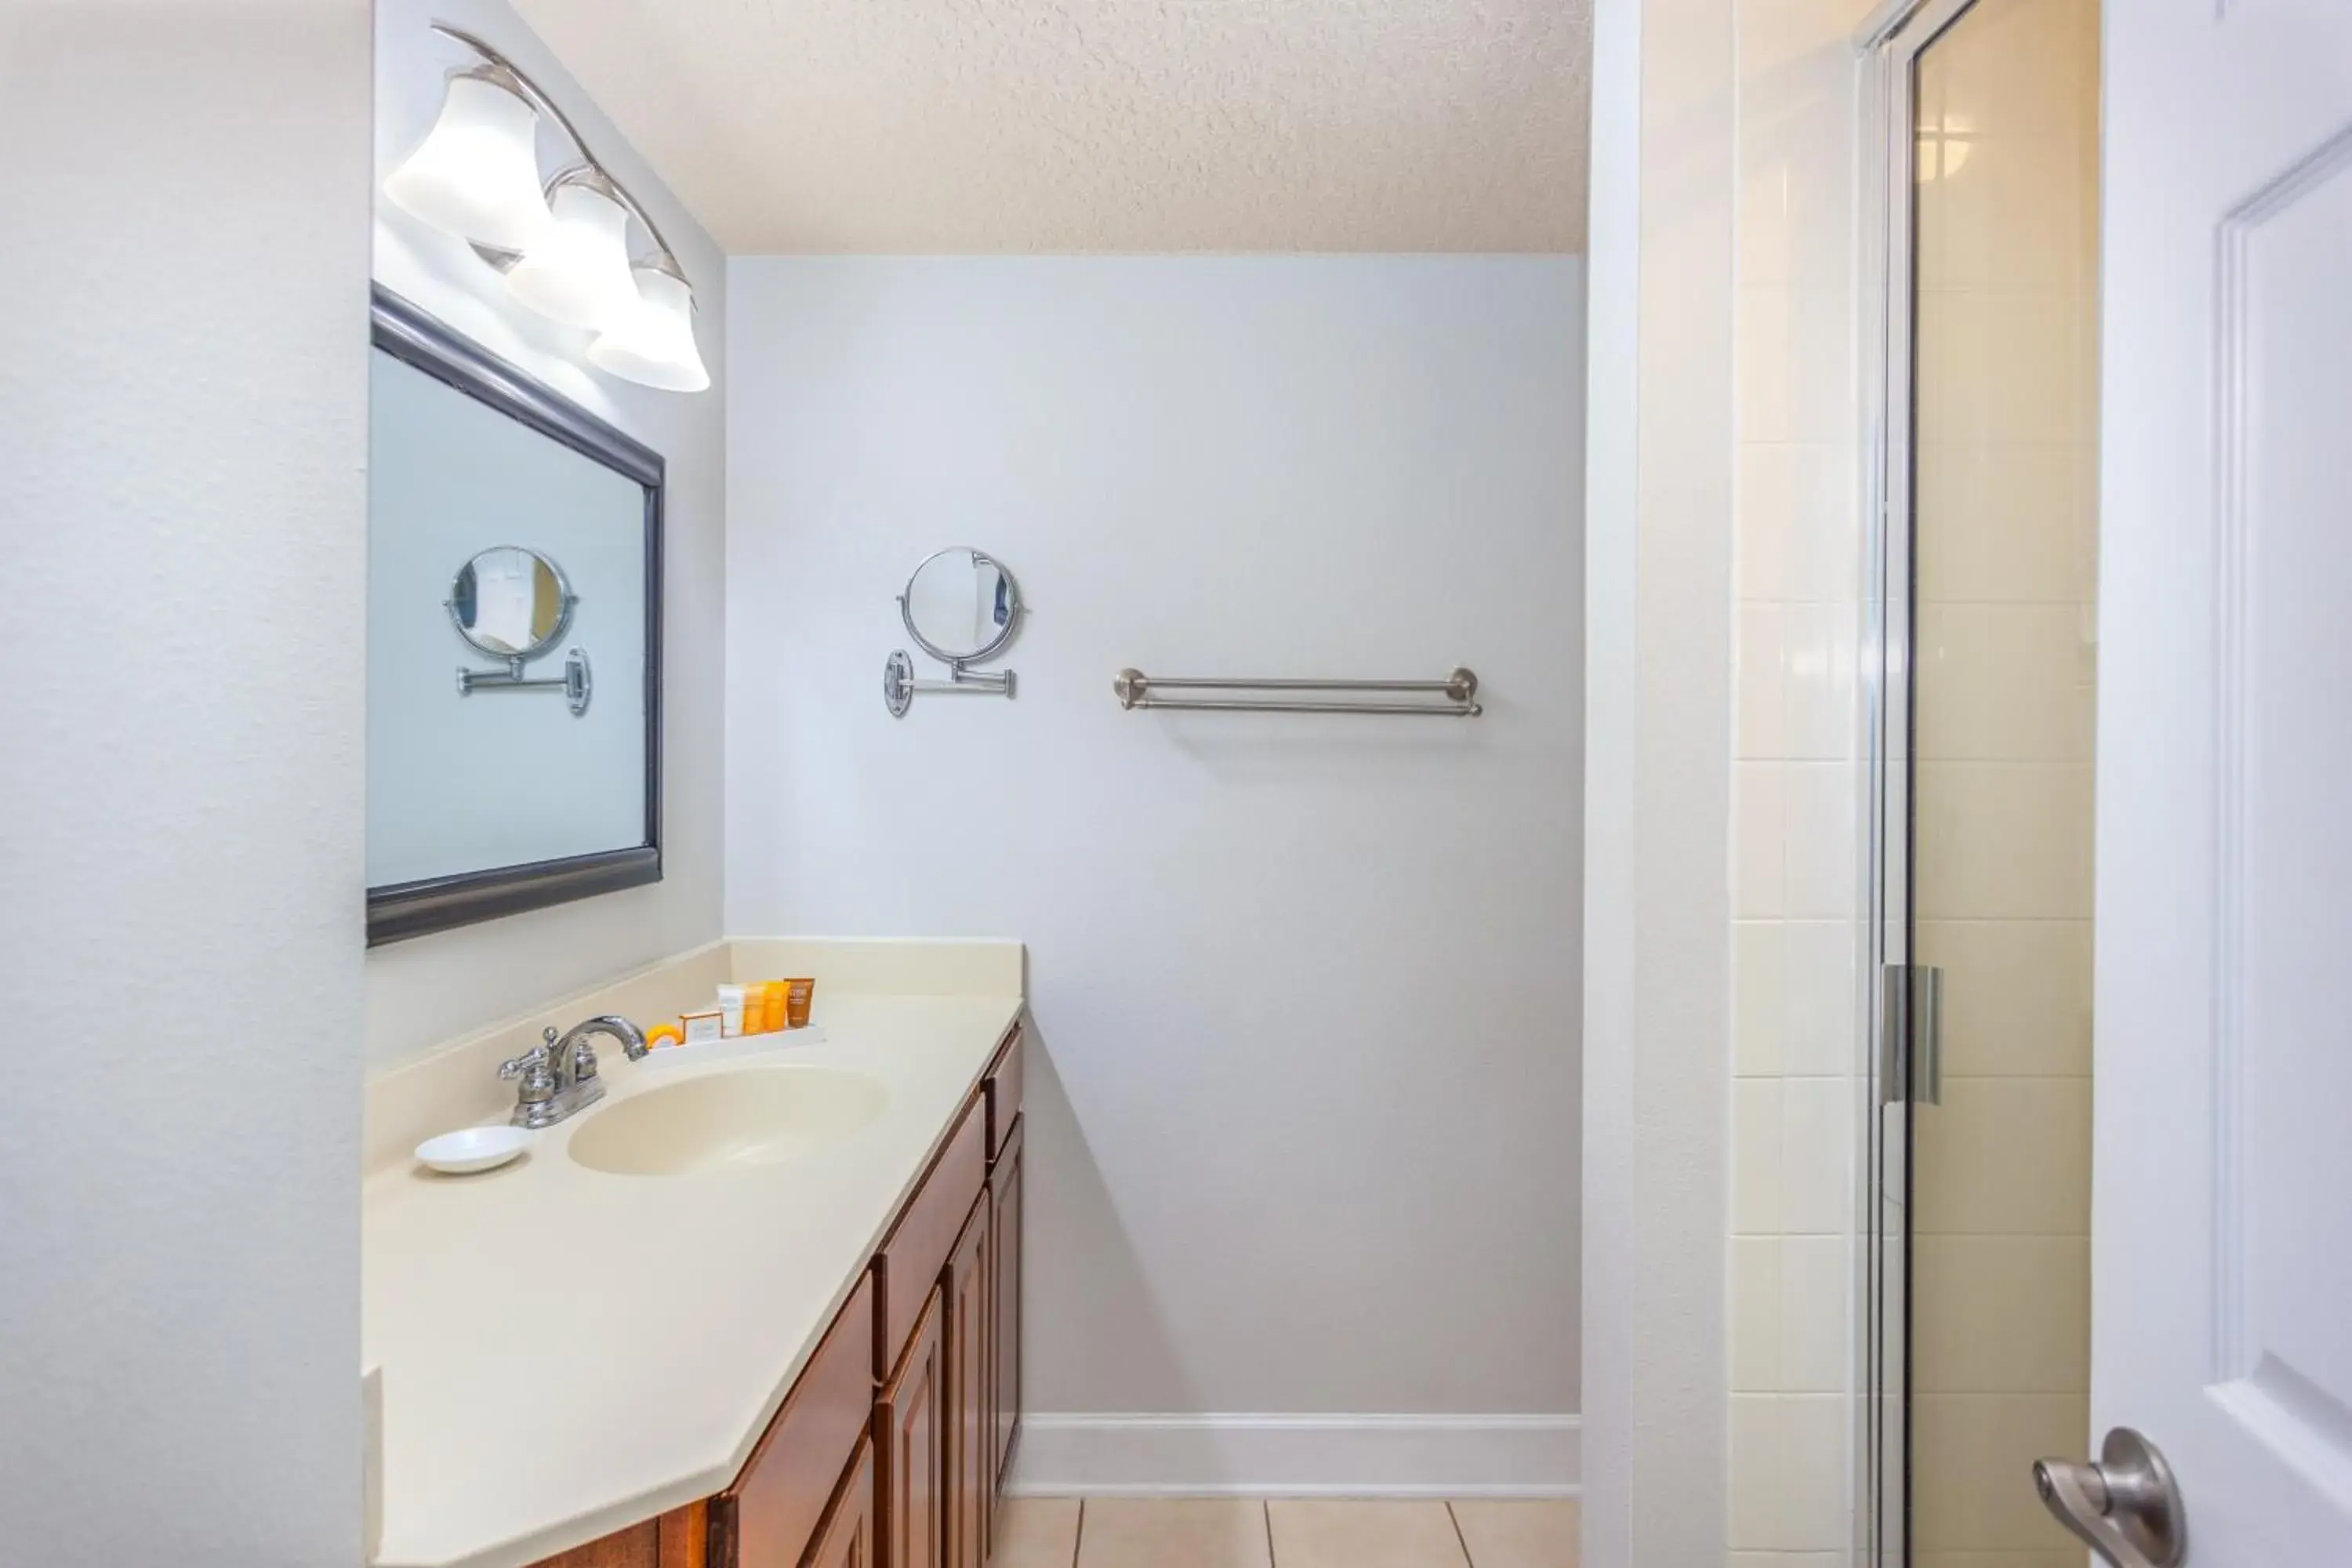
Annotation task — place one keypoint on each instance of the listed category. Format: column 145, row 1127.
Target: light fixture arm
column 536, row 96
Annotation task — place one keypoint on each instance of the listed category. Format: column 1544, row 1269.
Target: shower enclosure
column 1979, row 666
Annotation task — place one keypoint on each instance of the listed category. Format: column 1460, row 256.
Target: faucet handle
column 536, row 1068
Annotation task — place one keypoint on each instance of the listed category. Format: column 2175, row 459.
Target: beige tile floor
column 1283, row 1533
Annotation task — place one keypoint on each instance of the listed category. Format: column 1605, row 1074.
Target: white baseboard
column 1297, row 1455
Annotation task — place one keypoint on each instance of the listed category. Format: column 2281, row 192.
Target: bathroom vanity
column 642, row 1347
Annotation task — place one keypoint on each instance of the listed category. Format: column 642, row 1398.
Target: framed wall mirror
column 514, row 547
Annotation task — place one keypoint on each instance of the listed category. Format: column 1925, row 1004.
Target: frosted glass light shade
column 476, row 175
column 578, row 273
column 653, row 342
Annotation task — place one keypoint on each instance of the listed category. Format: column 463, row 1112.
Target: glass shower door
column 1987, row 605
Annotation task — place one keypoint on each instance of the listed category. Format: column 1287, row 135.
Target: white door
column 2222, row 1196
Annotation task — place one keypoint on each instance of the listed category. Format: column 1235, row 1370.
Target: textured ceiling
column 1100, row 125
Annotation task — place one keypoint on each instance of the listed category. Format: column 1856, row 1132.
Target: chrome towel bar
column 1136, row 690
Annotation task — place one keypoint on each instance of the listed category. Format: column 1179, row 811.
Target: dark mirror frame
column 404, row 909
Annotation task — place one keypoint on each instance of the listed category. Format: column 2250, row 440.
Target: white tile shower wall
column 1795, row 1046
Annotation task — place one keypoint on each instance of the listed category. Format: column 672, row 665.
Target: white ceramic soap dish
column 472, row 1149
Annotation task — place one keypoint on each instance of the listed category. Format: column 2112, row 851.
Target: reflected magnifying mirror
column 515, row 603
column 511, row 603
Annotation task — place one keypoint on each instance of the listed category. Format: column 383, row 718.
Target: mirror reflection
column 512, row 518
column 961, row 605
column 511, row 603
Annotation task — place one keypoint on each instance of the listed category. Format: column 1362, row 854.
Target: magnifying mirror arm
column 899, row 686
column 576, row 682
column 974, row 680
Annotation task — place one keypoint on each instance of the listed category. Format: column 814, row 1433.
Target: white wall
column 1657, row 1040
column 1305, row 1121
column 423, row 992
column 182, row 420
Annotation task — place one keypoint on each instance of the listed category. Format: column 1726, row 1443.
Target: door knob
column 2126, row 1507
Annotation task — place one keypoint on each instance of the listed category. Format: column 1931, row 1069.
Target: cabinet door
column 971, row 1431
column 1005, row 1325
column 910, row 1447
column 847, row 1539
column 770, row 1514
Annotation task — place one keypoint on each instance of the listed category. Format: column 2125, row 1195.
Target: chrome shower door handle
column 1911, row 1033
column 1928, row 1025
column 2126, row 1507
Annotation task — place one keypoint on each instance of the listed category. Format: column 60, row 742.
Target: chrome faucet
column 558, row 1076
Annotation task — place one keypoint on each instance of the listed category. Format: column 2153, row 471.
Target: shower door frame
column 1890, row 42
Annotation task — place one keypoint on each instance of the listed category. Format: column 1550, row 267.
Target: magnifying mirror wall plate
column 962, row 607
column 514, row 603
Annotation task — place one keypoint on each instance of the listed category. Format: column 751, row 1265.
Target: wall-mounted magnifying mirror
column 961, row 606
column 515, row 603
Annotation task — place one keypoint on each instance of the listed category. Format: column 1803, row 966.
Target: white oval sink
column 751, row 1116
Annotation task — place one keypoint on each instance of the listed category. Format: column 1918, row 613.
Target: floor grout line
column 1460, row 1540
column 1466, row 1557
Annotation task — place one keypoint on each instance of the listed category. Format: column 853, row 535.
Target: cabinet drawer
column 774, row 1506
column 909, row 1262
column 1002, row 1093
column 639, row 1546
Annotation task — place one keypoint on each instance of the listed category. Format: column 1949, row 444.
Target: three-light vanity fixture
column 561, row 243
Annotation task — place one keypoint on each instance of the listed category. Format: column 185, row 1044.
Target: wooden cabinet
column 1005, row 1319
column 1001, row 1093
column 907, row 1477
column 971, row 1422
column 678, row 1539
column 765, row 1519
column 913, row 1259
column 639, row 1546
column 846, row 1539
column 910, row 1449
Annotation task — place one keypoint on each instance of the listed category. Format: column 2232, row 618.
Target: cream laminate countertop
column 566, row 1352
